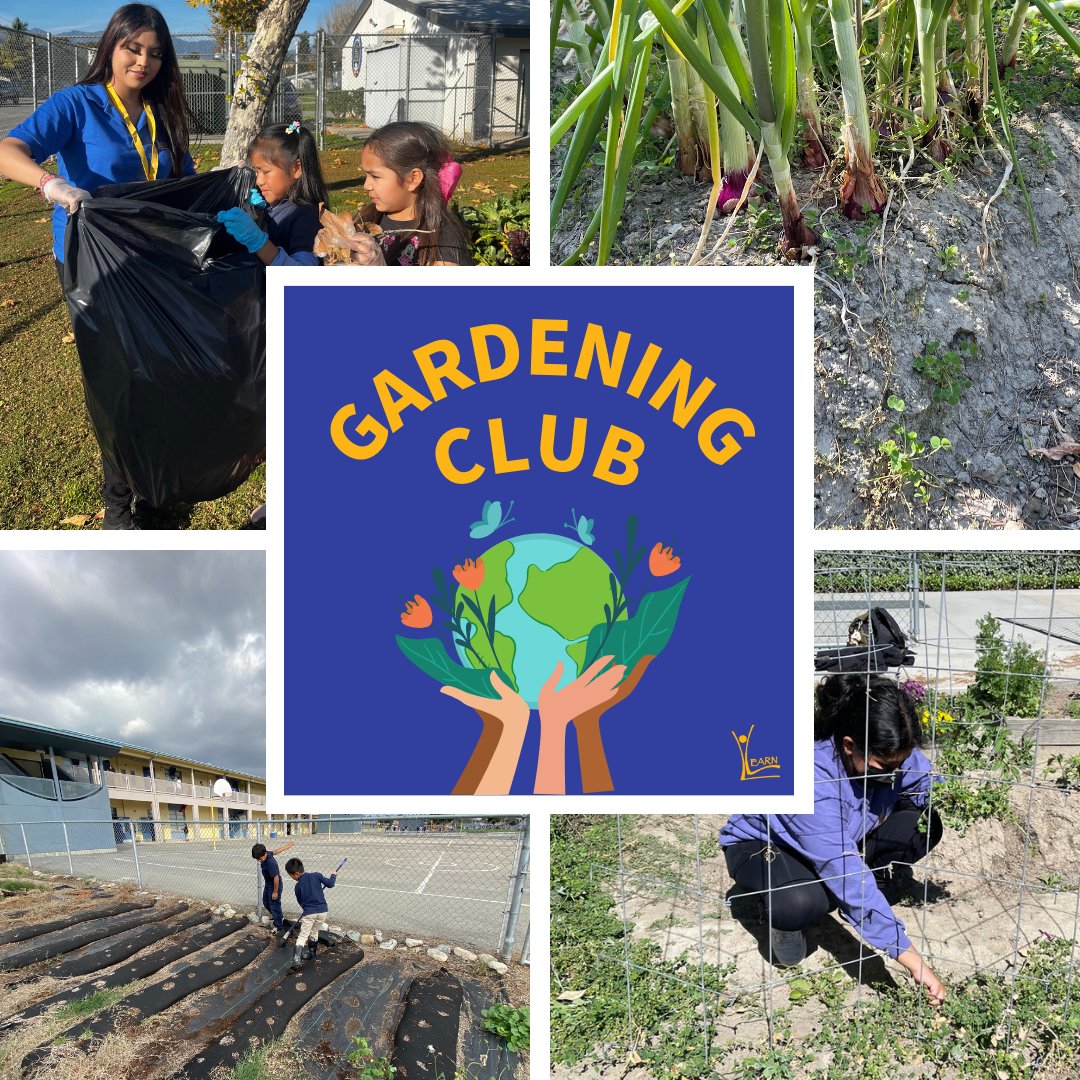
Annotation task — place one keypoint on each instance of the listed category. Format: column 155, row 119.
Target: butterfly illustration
column 583, row 525
column 491, row 518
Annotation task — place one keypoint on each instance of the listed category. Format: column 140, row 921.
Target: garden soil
column 951, row 264
column 965, row 909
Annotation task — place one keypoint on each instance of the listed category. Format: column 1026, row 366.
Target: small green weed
column 946, row 370
column 1073, row 709
column 906, row 453
column 253, row 1067
column 369, row 1067
column 500, row 229
column 510, row 1024
column 1064, row 770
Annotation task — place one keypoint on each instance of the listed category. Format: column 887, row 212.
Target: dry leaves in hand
column 332, row 243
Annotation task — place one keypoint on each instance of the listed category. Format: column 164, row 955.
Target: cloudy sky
column 165, row 650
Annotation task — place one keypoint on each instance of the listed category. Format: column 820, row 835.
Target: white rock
column 219, row 911
column 486, row 958
column 38, row 873
column 464, row 954
column 436, row 955
column 254, row 919
column 445, row 948
column 389, row 944
column 378, row 935
column 502, row 969
column 413, row 942
column 354, row 935
column 229, row 913
column 367, row 939
column 337, row 930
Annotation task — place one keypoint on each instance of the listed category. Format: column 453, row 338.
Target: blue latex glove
column 255, row 198
column 242, row 229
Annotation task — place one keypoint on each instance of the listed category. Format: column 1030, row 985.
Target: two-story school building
column 49, row 775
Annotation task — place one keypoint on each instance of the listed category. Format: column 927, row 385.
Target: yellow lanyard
column 149, row 170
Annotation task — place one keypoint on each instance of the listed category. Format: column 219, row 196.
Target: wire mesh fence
column 992, row 910
column 446, row 880
column 471, row 86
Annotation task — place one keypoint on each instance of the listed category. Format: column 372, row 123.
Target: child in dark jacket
column 313, row 908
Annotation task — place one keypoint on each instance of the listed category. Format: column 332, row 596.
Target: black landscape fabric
column 72, row 938
column 169, row 319
column 124, row 945
column 155, row 998
column 269, row 1015
column 426, row 1040
column 187, row 942
column 22, row 933
column 367, row 1002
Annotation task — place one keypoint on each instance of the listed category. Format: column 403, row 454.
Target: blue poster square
column 539, row 539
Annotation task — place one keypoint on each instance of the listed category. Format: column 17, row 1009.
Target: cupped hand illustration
column 592, row 690
column 490, row 769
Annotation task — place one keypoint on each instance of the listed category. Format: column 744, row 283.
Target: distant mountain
column 197, row 45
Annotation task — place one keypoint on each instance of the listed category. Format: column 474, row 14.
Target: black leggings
column 115, row 493
column 897, row 839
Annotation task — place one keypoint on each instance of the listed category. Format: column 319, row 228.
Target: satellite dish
column 222, row 788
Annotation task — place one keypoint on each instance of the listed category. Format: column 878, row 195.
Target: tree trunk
column 258, row 75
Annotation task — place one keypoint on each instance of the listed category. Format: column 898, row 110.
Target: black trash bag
column 881, row 645
column 169, row 320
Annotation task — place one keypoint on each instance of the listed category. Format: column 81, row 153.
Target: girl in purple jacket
column 871, row 784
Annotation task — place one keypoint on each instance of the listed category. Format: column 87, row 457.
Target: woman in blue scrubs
column 126, row 120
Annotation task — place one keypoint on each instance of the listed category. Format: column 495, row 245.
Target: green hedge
column 967, row 570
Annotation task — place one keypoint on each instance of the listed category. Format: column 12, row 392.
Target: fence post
column 519, row 889
column 29, row 861
column 33, row 69
column 258, row 870
column 48, row 60
column 913, row 584
column 525, row 945
column 320, row 88
column 135, row 852
column 67, row 848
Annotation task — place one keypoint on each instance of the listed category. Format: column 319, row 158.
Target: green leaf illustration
column 429, row 655
column 645, row 634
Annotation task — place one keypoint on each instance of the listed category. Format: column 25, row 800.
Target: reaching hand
column 490, row 769
column 59, row 191
column 242, row 229
column 921, row 973
column 364, row 250
column 591, row 690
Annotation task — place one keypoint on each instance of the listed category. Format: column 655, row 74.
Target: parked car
column 10, row 91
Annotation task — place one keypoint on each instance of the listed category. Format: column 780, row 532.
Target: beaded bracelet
column 42, row 181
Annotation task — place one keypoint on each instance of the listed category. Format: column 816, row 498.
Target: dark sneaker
column 788, row 947
column 299, row 956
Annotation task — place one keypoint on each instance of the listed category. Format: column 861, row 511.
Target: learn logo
column 755, row 768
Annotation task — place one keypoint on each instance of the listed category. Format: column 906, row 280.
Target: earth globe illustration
column 549, row 592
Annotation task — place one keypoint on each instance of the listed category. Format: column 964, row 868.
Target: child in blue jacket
column 313, row 908
column 871, row 785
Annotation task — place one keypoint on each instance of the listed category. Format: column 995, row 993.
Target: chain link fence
column 447, row 880
column 471, row 86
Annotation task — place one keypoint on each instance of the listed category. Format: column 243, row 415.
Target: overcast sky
column 64, row 16
column 162, row 649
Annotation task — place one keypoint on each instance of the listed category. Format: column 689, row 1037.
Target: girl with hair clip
column 289, row 183
column 126, row 120
column 410, row 176
column 871, row 785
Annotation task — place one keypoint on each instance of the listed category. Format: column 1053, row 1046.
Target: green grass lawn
column 50, row 466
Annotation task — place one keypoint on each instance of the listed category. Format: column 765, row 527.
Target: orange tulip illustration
column 417, row 613
column 663, row 561
column 471, row 575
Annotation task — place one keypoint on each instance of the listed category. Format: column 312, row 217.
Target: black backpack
column 877, row 643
